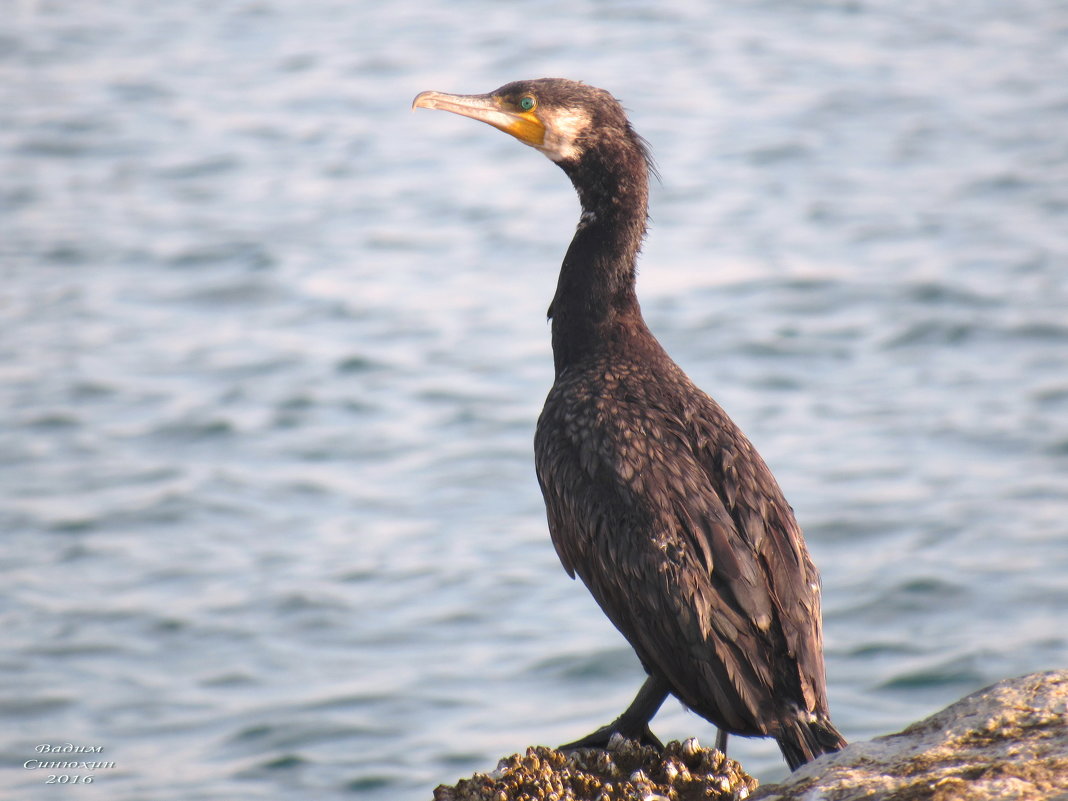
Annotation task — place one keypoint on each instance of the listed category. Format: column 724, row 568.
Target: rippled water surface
column 272, row 348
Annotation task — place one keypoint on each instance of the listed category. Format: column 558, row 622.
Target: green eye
column 528, row 103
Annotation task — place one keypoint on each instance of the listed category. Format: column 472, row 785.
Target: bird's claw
column 602, row 738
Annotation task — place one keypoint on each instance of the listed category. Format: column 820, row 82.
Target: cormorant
column 654, row 497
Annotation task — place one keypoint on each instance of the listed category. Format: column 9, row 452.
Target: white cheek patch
column 562, row 131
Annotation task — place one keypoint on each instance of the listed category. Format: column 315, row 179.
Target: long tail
column 807, row 739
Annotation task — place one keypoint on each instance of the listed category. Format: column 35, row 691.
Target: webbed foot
column 603, row 736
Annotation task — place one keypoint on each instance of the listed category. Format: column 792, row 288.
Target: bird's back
column 661, row 505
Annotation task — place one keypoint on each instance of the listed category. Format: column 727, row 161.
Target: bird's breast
column 605, row 425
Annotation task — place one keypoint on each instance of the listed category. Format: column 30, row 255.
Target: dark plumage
column 655, row 498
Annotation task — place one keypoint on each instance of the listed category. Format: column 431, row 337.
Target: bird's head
column 563, row 119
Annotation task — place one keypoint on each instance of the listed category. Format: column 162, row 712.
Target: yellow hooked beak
column 523, row 125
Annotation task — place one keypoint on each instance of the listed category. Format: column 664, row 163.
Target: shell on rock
column 628, row 771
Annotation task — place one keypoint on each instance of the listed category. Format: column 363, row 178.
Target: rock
column 627, row 771
column 1008, row 742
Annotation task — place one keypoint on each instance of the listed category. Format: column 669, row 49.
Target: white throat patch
column 562, row 131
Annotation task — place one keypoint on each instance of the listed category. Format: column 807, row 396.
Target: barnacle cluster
column 627, row 771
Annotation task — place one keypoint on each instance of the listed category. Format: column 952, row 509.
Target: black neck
column 595, row 293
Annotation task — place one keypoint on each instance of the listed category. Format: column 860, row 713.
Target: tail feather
column 807, row 739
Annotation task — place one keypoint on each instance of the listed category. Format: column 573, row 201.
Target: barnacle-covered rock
column 1008, row 742
column 628, row 771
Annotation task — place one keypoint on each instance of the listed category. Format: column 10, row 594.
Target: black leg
column 633, row 724
column 721, row 741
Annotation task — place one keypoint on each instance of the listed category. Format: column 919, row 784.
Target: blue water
column 272, row 348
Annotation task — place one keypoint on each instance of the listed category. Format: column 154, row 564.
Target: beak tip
column 422, row 100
